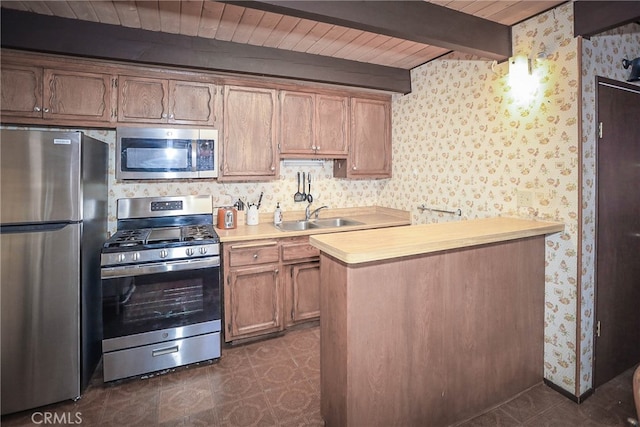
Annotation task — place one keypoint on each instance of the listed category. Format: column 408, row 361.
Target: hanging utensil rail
column 423, row 208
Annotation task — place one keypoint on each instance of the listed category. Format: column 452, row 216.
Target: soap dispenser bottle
column 277, row 215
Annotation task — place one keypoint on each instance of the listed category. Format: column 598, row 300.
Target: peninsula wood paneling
column 432, row 339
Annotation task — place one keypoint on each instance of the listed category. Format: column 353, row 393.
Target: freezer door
column 39, row 279
column 39, row 176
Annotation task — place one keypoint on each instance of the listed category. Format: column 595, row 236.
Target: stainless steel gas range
column 160, row 286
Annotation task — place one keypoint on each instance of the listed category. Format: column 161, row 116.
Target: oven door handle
column 161, row 267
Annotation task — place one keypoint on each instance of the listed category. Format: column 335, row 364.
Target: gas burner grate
column 127, row 238
column 197, row 232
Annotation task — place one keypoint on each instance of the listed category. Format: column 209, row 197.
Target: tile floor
column 277, row 383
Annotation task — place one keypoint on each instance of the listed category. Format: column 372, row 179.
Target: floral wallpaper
column 466, row 139
column 601, row 56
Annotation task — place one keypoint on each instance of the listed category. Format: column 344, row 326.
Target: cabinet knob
column 46, row 110
column 354, row 168
column 36, row 109
column 318, row 148
column 255, row 256
column 313, row 147
column 164, row 115
column 273, row 168
column 171, row 116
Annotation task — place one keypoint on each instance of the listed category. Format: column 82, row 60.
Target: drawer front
column 156, row 357
column 252, row 254
column 302, row 250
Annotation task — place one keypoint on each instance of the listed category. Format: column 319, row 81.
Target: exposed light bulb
column 521, row 79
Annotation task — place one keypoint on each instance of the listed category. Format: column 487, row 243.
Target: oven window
column 138, row 304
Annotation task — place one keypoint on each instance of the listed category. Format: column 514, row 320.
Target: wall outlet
column 525, row 198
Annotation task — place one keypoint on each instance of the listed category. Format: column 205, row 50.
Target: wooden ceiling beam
column 594, row 17
column 41, row 33
column 414, row 20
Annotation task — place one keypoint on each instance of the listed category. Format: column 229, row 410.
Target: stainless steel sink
column 316, row 223
column 296, row 225
column 335, row 222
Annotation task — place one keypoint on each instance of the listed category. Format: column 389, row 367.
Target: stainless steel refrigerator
column 53, row 221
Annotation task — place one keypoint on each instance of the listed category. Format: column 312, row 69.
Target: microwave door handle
column 194, row 155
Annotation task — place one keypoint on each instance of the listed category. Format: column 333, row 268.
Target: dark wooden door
column 617, row 345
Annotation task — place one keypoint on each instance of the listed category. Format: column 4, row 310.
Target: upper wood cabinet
column 249, row 145
column 332, row 125
column 313, row 125
column 42, row 93
column 370, row 141
column 258, row 125
column 21, row 91
column 151, row 100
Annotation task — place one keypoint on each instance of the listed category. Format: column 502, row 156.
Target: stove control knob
column 121, row 257
column 136, row 256
column 190, row 251
column 203, row 250
column 163, row 253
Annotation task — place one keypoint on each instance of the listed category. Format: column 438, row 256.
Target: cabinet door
column 370, row 141
column 142, row 100
column 297, row 112
column 332, row 126
column 21, row 91
column 191, row 102
column 303, row 288
column 253, row 301
column 249, row 149
column 76, row 95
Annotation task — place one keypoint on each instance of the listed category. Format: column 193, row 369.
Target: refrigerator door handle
column 34, row 228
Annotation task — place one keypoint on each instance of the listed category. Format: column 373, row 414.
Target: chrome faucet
column 308, row 213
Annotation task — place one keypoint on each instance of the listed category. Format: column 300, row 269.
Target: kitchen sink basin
column 335, row 222
column 316, row 223
column 296, row 225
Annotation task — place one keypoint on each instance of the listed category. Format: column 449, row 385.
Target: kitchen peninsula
column 430, row 324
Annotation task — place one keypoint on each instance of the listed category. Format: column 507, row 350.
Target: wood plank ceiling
column 238, row 24
column 368, row 44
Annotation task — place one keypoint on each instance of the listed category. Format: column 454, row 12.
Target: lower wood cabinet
column 255, row 301
column 269, row 285
column 301, row 267
column 302, row 288
column 252, row 289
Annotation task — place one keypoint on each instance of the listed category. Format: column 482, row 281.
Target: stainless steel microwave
column 161, row 153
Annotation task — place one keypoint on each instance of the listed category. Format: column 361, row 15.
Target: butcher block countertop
column 386, row 243
column 370, row 217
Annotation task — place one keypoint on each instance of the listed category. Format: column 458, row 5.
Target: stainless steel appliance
column 54, row 220
column 160, row 286
column 158, row 153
